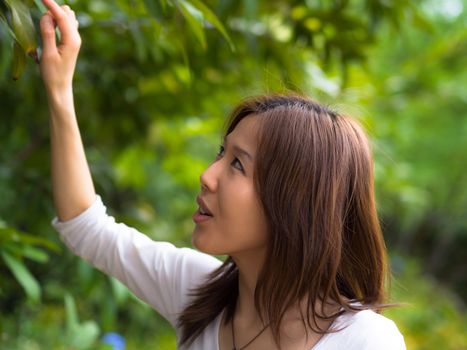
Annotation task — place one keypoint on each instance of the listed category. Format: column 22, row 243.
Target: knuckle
column 48, row 31
column 76, row 43
column 59, row 16
column 47, row 28
column 46, row 18
column 47, row 56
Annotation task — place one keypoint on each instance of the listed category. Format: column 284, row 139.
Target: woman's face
column 237, row 224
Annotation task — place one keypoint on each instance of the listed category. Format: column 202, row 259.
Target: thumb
column 47, row 25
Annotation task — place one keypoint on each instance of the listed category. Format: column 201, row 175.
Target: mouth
column 202, row 213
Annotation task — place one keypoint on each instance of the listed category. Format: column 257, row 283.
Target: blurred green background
column 154, row 83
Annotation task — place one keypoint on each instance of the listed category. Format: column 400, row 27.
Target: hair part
column 314, row 178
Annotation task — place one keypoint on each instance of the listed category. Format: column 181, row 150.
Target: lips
column 203, row 208
column 202, row 214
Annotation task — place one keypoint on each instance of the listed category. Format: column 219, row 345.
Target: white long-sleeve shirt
column 161, row 275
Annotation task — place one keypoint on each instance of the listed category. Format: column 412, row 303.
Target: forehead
column 245, row 134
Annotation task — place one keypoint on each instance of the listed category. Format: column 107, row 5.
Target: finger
column 71, row 14
column 69, row 11
column 61, row 16
column 47, row 25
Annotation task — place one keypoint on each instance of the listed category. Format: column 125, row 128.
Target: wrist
column 59, row 95
column 59, row 91
column 60, row 100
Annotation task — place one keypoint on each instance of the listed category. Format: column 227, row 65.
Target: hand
column 58, row 63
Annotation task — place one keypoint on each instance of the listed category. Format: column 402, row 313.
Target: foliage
column 51, row 326
column 431, row 318
column 79, row 335
column 154, row 82
column 21, row 28
column 420, row 123
column 15, row 247
column 16, row 19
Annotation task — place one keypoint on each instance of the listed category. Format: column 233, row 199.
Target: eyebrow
column 239, row 150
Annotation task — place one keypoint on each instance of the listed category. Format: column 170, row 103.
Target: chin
column 197, row 242
column 201, row 244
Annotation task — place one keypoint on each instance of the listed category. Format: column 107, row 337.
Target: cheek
column 244, row 217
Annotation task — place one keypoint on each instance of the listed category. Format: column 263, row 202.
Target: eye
column 221, row 151
column 238, row 165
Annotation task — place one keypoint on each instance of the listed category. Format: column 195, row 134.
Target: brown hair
column 314, row 178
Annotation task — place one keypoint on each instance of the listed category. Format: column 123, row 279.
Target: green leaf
column 41, row 6
column 195, row 19
column 23, row 26
column 154, row 8
column 34, row 254
column 10, row 234
column 28, row 3
column 26, row 251
column 7, row 26
column 212, row 18
column 251, row 8
column 19, row 61
column 120, row 292
column 23, row 276
column 86, row 334
column 78, row 335
column 70, row 311
column 138, row 36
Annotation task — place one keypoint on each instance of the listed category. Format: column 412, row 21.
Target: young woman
column 289, row 200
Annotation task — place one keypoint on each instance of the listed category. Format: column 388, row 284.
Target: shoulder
column 369, row 319
column 366, row 330
column 194, row 267
column 192, row 270
column 195, row 261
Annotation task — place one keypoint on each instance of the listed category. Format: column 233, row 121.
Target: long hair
column 314, row 178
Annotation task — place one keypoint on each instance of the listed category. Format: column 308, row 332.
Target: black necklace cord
column 251, row 341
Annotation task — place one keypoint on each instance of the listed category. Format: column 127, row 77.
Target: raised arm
column 73, row 190
column 157, row 272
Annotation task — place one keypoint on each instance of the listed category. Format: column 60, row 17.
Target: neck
column 249, row 267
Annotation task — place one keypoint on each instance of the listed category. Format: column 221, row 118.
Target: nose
column 210, row 177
